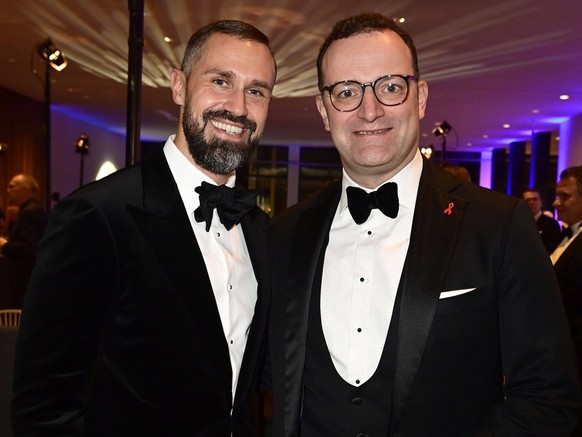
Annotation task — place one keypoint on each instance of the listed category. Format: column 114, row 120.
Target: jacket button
column 356, row 401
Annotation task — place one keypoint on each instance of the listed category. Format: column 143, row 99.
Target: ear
column 178, row 84
column 422, row 98
column 322, row 111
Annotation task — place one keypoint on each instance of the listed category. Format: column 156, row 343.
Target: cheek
column 259, row 116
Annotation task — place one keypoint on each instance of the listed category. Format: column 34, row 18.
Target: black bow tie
column 230, row 203
column 566, row 232
column 361, row 203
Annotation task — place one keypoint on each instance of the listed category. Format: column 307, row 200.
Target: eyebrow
column 229, row 74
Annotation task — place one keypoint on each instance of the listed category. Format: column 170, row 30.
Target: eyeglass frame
column 407, row 78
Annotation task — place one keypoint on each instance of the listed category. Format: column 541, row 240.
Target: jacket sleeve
column 542, row 395
column 64, row 318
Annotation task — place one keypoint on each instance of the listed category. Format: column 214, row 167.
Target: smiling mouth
column 228, row 128
column 372, row 132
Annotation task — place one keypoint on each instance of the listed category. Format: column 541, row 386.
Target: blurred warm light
column 53, row 55
column 427, row 151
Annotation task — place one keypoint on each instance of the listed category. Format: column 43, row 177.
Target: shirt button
column 356, row 401
column 357, row 381
column 369, row 232
column 362, row 279
column 218, row 234
column 359, row 329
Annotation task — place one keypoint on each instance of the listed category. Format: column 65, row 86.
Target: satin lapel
column 255, row 232
column 166, row 227
column 433, row 237
column 312, row 231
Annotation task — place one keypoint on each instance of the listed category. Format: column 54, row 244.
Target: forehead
column 245, row 58
column 367, row 56
column 567, row 185
column 16, row 181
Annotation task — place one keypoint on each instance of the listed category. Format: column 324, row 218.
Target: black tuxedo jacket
column 20, row 250
column 451, row 353
column 120, row 333
column 550, row 232
column 569, row 273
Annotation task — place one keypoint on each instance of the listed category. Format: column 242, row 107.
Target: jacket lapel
column 312, row 230
column 570, row 251
column 166, row 227
column 437, row 220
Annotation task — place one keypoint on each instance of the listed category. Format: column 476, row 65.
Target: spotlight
column 3, row 147
column 442, row 129
column 427, row 151
column 53, row 55
column 82, row 144
column 82, row 147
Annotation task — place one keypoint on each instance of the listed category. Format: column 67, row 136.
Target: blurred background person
column 567, row 258
column 548, row 228
column 22, row 235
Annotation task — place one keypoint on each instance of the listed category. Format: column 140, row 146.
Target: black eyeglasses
column 390, row 90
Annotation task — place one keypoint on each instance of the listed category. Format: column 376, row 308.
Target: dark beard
column 217, row 155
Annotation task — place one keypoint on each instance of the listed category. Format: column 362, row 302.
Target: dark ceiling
column 488, row 63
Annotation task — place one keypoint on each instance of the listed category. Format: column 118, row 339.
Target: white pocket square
column 453, row 293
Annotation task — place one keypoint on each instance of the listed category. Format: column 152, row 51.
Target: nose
column 236, row 103
column 371, row 108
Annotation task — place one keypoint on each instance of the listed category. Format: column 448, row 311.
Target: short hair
column 197, row 42
column 532, row 190
column 364, row 23
column 576, row 173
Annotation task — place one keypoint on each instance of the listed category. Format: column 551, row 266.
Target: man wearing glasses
column 405, row 301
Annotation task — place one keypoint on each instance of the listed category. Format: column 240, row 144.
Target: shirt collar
column 576, row 227
column 187, row 175
column 407, row 179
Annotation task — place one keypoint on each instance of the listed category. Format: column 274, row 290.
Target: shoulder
column 122, row 185
column 480, row 199
column 327, row 197
column 544, row 219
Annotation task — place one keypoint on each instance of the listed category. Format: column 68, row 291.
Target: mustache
column 227, row 115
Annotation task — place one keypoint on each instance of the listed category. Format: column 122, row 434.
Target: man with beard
column 146, row 313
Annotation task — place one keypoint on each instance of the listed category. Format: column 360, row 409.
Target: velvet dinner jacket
column 451, row 353
column 120, row 333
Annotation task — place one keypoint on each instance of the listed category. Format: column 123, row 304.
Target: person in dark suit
column 22, row 235
column 548, row 228
column 406, row 302
column 146, row 313
column 567, row 257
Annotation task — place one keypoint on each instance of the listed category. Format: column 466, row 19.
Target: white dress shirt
column 558, row 251
column 361, row 272
column 226, row 256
